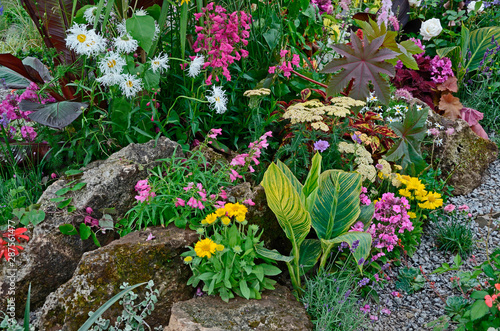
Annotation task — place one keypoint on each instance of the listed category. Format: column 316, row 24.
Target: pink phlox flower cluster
column 199, row 195
column 222, row 38
column 385, row 12
column 249, row 202
column 363, row 198
column 286, row 66
column 325, row 6
column 449, row 208
column 246, row 159
column 28, row 133
column 344, row 4
column 214, row 133
column 391, row 214
column 441, row 69
column 144, row 190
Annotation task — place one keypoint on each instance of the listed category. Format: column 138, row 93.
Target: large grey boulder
column 132, row 259
column 464, row 155
column 277, row 310
column 50, row 258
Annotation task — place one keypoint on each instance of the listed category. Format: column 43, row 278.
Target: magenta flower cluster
column 245, row 160
column 9, row 111
column 363, row 198
column 286, row 65
column 441, row 69
column 221, row 38
column 144, row 190
column 324, row 6
column 198, row 196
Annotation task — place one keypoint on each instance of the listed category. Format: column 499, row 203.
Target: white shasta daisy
column 112, row 63
column 217, row 99
column 89, row 14
column 141, row 12
column 130, row 85
column 157, row 31
column 195, row 66
column 83, row 41
column 160, row 63
column 125, row 43
column 110, row 79
column 121, row 27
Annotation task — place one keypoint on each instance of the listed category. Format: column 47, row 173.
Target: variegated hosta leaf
column 289, row 174
column 286, row 204
column 310, row 251
column 361, row 252
column 272, row 254
column 336, row 206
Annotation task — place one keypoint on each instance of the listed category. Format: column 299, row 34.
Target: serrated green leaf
column 478, row 309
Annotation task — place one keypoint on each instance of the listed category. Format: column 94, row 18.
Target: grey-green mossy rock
column 277, row 310
column 131, row 259
column 464, row 154
column 50, row 258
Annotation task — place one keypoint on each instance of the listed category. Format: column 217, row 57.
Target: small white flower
column 431, row 28
column 195, row 66
column 217, row 99
column 130, row 85
column 364, row 109
column 439, row 126
column 406, row 109
column 428, row 123
column 157, row 31
column 380, row 108
column 419, row 107
column 372, row 97
column 110, row 79
column 399, row 112
column 141, row 12
column 472, row 7
column 160, row 63
column 428, row 132
column 83, row 41
column 89, row 14
column 390, row 119
column 438, row 141
column 415, row 3
column 125, row 43
column 112, row 63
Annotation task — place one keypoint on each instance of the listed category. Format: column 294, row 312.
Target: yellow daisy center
column 129, row 83
column 111, row 63
column 217, row 99
column 81, row 38
column 156, row 63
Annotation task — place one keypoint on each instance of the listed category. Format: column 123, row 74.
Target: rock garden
column 189, row 165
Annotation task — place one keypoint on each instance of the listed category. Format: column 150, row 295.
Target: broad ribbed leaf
column 361, row 252
column 286, row 205
column 480, row 41
column 17, row 65
column 142, row 29
column 442, row 52
column 55, row 115
column 411, row 133
column 310, row 251
column 36, row 68
column 364, row 63
column 289, row 174
column 366, row 213
column 12, row 79
column 336, row 206
column 311, row 182
column 272, row 254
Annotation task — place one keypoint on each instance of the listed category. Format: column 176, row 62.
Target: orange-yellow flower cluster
column 414, row 189
column 236, row 210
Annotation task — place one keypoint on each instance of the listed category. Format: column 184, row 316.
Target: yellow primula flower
column 235, row 209
column 412, row 214
column 205, row 247
column 225, row 220
column 210, row 219
column 240, row 217
column 188, row 259
column 431, row 201
column 220, row 212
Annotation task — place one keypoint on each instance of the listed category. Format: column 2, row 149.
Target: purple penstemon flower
column 321, row 146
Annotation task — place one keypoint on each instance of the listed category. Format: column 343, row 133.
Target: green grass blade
column 27, row 311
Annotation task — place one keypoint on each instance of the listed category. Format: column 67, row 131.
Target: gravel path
column 412, row 312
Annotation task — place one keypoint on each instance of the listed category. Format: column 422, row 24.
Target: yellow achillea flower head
column 431, row 201
column 205, row 247
column 210, row 219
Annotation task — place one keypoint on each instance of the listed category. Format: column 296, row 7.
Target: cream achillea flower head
column 195, row 67
column 112, row 63
column 386, row 167
column 125, row 43
column 217, row 99
column 367, row 172
column 346, row 147
column 83, row 41
column 257, row 93
column 130, row 85
column 160, row 63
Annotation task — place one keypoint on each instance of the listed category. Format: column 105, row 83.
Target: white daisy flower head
column 160, row 63
column 121, row 27
column 110, row 79
column 196, row 65
column 372, row 97
column 89, row 14
column 130, row 85
column 438, row 141
column 428, row 132
column 390, row 119
column 141, row 12
column 398, row 112
column 439, row 126
column 112, row 63
column 83, row 41
column 217, row 99
column 419, row 107
column 125, row 43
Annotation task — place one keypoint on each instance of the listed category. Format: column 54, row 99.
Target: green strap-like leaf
column 361, row 252
column 310, row 251
column 336, row 206
column 286, row 204
column 289, row 174
column 313, row 176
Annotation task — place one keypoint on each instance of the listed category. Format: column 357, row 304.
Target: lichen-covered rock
column 50, row 258
column 464, row 154
column 277, row 310
column 131, row 259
